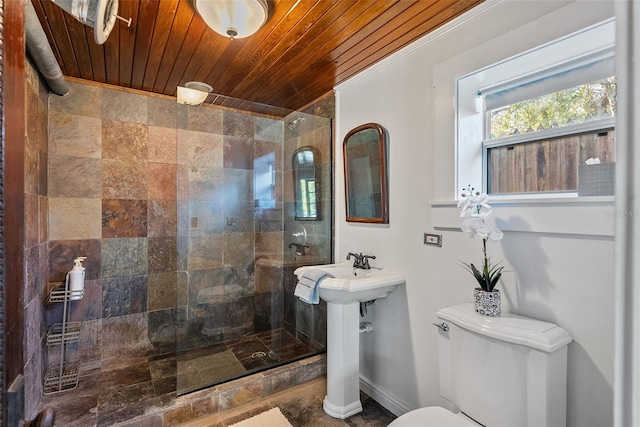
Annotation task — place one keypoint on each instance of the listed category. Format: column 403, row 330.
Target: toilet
column 498, row 371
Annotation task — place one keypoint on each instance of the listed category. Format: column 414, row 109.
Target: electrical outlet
column 433, row 239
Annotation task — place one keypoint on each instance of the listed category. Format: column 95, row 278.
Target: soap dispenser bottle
column 75, row 279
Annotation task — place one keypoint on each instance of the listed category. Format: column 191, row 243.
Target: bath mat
column 271, row 418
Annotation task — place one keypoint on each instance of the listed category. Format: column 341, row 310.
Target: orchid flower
column 475, row 211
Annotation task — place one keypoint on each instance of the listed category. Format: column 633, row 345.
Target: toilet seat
column 434, row 416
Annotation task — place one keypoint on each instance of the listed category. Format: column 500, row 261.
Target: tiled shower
column 181, row 256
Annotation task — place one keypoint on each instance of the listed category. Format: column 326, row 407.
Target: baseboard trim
column 391, row 403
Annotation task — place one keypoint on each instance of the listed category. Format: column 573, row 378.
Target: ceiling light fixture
column 193, row 93
column 100, row 15
column 233, row 18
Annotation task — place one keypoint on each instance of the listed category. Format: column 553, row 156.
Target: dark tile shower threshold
column 217, row 364
column 123, row 391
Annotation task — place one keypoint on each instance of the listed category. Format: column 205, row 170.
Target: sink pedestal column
column 343, row 360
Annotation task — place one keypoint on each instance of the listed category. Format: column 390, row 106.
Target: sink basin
column 350, row 284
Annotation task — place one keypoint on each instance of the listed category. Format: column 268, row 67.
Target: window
column 519, row 162
column 588, row 102
column 530, row 124
column 308, row 196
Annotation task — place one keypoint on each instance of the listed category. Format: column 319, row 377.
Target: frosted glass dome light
column 193, row 93
column 233, row 18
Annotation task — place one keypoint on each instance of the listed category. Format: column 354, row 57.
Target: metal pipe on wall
column 41, row 53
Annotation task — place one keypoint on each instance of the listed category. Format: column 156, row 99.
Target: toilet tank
column 503, row 371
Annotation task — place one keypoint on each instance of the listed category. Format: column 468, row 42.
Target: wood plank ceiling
column 305, row 48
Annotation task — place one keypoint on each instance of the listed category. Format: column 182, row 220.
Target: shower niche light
column 235, row 19
column 193, row 93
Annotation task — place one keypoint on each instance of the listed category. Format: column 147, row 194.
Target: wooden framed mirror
column 306, row 184
column 365, row 172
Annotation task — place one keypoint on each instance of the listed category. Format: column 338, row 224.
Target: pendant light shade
column 193, row 93
column 233, row 18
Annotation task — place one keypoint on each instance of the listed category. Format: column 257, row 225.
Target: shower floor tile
column 127, row 388
column 245, row 348
column 203, row 371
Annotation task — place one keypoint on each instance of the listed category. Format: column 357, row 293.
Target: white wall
column 563, row 278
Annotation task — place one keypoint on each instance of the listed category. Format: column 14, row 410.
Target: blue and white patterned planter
column 487, row 303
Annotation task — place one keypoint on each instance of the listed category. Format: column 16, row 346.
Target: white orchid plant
column 474, row 212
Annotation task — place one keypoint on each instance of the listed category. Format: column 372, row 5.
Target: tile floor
column 124, row 389
column 252, row 353
column 302, row 406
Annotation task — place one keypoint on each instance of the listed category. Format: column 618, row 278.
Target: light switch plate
column 433, row 239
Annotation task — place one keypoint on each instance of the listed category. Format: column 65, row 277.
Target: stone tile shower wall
column 35, row 251
column 136, row 185
column 223, row 229
column 308, row 322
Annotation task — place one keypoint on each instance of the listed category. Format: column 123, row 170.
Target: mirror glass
column 365, row 149
column 305, row 183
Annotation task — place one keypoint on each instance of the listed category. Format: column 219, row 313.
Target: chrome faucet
column 360, row 261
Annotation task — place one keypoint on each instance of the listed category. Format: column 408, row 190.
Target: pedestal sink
column 344, row 292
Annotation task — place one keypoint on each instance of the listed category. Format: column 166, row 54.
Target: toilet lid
column 435, row 416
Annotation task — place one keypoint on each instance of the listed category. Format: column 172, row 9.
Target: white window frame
column 597, row 41
column 461, row 159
